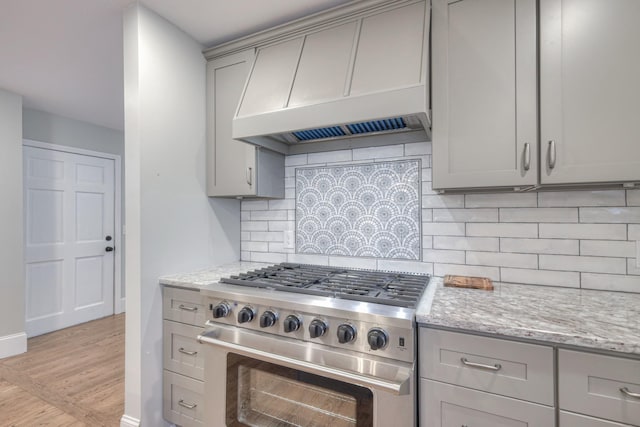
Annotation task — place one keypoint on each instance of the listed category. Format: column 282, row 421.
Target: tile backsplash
column 360, row 210
column 562, row 238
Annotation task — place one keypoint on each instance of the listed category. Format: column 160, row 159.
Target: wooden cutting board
column 483, row 283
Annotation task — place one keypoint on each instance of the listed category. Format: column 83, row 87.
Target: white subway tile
column 443, row 256
column 308, row 259
column 255, row 246
column 427, row 242
column 282, row 225
column 584, row 231
column 610, row 282
column 245, row 235
column 448, row 201
column 498, row 259
column 427, row 215
column 610, row 215
column 443, row 229
column 634, row 232
column 295, row 160
column 417, row 148
column 254, row 225
column 405, row 266
column 353, row 262
column 289, row 193
column 502, row 230
column 466, row 243
column 538, row 214
column 268, row 257
column 290, row 182
column 269, row 215
column 290, row 172
column 588, row 264
column 245, row 215
column 465, row 215
column 378, row 152
column 330, row 157
column 442, row 270
column 426, row 174
column 278, row 247
column 267, row 236
column 427, row 190
column 540, row 246
column 500, row 200
column 254, row 205
column 581, row 198
column 567, row 279
column 633, row 197
column 632, row 268
column 245, row 256
column 608, row 248
column 291, row 215
column 282, row 204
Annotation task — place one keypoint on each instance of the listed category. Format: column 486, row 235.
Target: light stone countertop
column 202, row 278
column 598, row 320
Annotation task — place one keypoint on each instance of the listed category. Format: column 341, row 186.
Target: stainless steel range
column 305, row 345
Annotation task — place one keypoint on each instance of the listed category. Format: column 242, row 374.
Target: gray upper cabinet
column 235, row 168
column 589, row 91
column 484, row 93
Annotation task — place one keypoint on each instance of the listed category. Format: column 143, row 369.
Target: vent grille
column 353, row 129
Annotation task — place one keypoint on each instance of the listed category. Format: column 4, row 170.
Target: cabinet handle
column 495, row 367
column 552, row 154
column 187, row 308
column 189, row 353
column 186, row 405
column 249, row 175
column 626, row 391
column 527, row 156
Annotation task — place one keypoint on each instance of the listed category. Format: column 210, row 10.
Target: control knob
column 221, row 310
column 377, row 338
column 317, row 328
column 346, row 333
column 292, row 323
column 268, row 319
column 246, row 314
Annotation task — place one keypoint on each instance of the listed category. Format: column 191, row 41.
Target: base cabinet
column 568, row 419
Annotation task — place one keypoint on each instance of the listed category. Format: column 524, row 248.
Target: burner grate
column 388, row 288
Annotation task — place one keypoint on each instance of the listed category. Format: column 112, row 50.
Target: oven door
column 260, row 380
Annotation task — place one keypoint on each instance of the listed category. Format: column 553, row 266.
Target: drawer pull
column 189, row 353
column 186, row 405
column 187, row 308
column 629, row 393
column 466, row 362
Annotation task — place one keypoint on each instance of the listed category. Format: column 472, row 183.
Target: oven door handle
column 394, row 387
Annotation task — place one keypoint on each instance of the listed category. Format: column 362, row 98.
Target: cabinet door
column 589, row 90
column 231, row 164
column 484, row 93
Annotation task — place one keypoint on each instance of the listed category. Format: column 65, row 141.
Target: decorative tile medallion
column 365, row 210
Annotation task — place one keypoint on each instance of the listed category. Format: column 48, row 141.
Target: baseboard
column 127, row 421
column 10, row 345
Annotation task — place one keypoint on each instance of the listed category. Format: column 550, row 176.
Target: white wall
column 171, row 225
column 13, row 340
column 580, row 239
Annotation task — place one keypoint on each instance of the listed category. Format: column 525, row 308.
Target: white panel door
column 69, row 226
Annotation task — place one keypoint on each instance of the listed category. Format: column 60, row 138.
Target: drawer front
column 567, row 419
column 591, row 384
column 184, row 306
column 508, row 368
column 446, row 405
column 183, row 400
column 182, row 352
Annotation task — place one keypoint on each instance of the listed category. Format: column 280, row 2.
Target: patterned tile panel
column 362, row 210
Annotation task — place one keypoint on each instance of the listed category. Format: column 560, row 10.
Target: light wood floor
column 72, row 377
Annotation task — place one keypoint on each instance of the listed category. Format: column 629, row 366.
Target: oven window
column 261, row 394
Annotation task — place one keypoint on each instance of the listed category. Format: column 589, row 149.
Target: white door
column 69, row 231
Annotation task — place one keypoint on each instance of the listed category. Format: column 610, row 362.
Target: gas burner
column 387, row 288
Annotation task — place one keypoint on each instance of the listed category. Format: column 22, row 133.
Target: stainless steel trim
column 186, row 405
column 189, row 353
column 527, row 156
column 466, row 362
column 629, row 393
column 552, row 154
column 372, row 372
column 187, row 308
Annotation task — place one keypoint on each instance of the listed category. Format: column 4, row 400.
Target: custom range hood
column 361, row 76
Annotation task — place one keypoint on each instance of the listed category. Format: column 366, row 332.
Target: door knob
column 108, row 238
column 109, row 249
